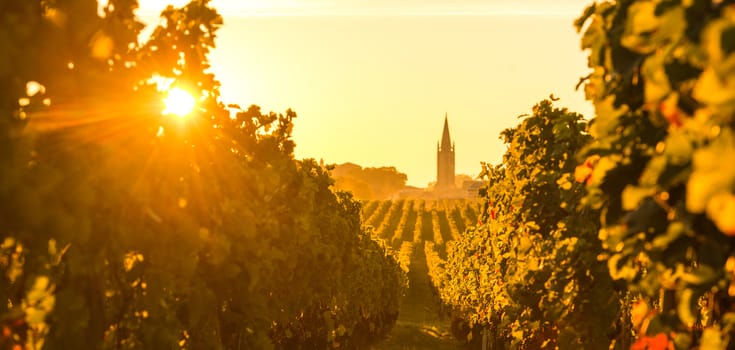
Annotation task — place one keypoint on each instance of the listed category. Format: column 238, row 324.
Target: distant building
column 445, row 160
column 472, row 188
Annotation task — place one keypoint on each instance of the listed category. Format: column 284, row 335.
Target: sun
column 178, row 102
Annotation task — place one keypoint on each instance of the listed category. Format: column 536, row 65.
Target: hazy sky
column 393, row 7
column 371, row 80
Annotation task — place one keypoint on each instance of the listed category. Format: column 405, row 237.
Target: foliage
column 368, row 183
column 659, row 169
column 400, row 230
column 529, row 272
column 390, row 221
column 124, row 228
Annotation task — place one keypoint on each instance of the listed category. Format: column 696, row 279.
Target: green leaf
column 701, row 275
column 607, row 117
column 624, row 271
column 674, row 231
column 684, row 307
column 633, row 195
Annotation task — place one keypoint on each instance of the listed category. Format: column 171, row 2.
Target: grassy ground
column 419, row 325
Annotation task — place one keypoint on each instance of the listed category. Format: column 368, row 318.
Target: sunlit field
column 145, row 208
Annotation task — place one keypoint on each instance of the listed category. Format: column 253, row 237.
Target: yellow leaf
column 715, row 90
column 721, row 209
column 639, row 312
column 641, row 21
column 633, row 195
column 656, row 80
column 710, row 175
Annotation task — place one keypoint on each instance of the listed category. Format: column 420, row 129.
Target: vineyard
column 408, row 220
column 419, row 231
column 127, row 223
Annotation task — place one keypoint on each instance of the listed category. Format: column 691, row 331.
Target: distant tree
column 460, row 179
column 368, row 183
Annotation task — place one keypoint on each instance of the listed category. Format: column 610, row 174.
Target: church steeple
column 445, row 160
column 446, row 143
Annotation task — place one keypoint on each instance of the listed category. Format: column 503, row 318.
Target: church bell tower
column 445, row 160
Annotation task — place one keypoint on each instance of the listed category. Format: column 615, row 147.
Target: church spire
column 446, row 143
column 445, row 160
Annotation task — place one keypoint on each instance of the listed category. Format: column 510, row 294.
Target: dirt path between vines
column 419, row 326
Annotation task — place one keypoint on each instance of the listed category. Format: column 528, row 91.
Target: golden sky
column 372, row 80
column 382, row 7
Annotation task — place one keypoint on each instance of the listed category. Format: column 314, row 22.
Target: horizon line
column 243, row 13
